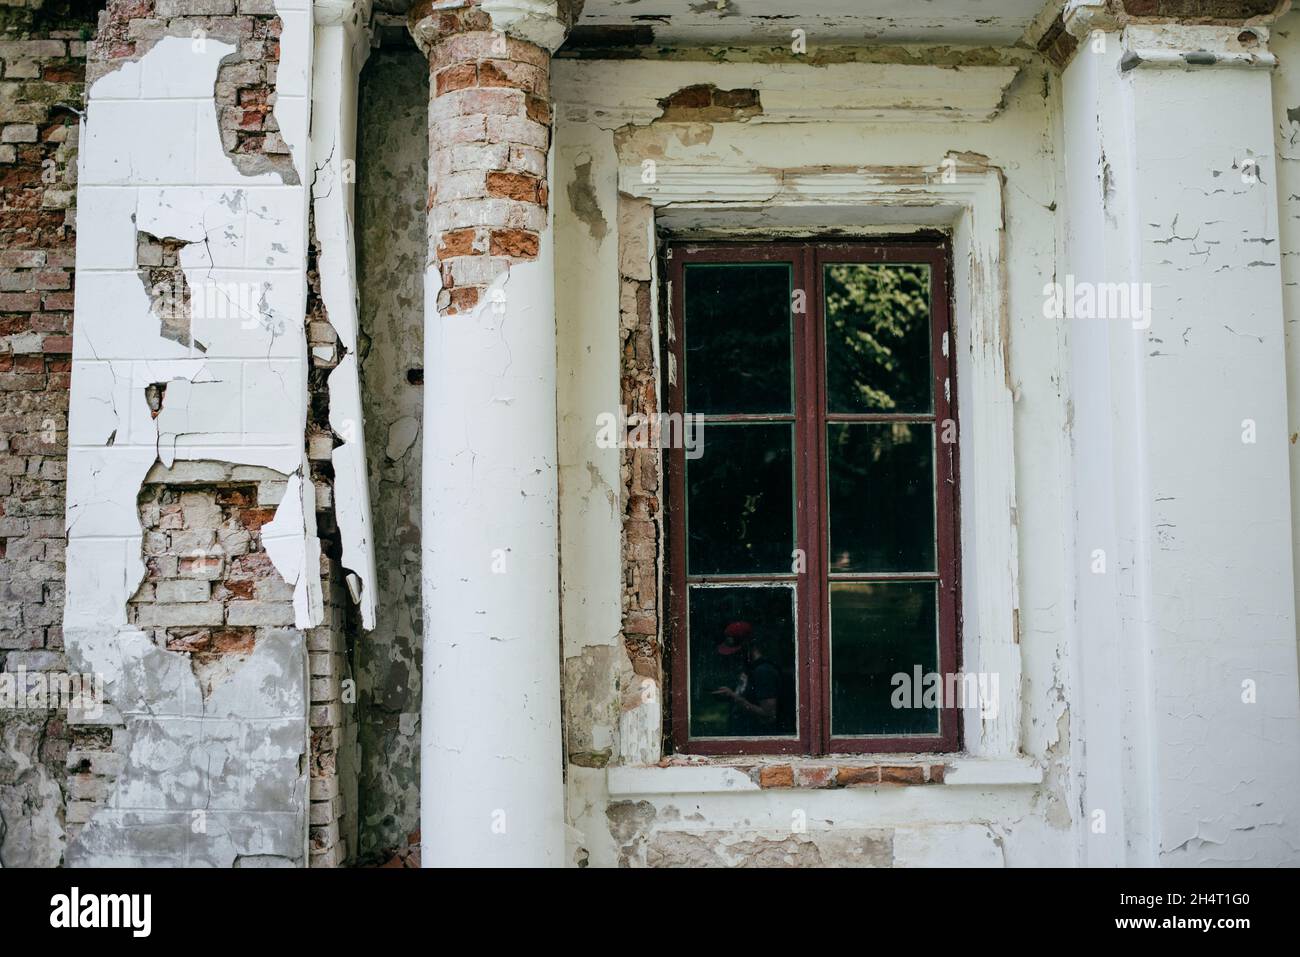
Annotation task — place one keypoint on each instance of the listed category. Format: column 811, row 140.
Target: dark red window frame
column 812, row 587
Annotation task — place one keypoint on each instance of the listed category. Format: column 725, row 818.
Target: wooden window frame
column 812, row 587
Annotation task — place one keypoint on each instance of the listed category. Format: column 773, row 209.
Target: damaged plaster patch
column 187, row 758
column 158, row 261
column 650, row 837
column 705, row 103
column 402, row 434
column 291, row 542
column 214, row 656
column 246, row 85
column 582, row 198
column 593, row 704
column 31, row 834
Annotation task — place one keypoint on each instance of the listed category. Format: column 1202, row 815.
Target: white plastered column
column 491, row 776
column 1185, row 594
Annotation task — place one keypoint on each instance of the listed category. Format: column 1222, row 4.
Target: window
column 813, row 588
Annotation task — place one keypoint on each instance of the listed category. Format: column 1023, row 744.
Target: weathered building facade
column 450, row 417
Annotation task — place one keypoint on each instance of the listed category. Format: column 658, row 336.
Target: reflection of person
column 755, row 699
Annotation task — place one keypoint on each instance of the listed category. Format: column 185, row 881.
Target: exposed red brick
column 936, row 773
column 690, row 98
column 514, row 186
column 58, row 302
column 212, row 642
column 902, row 775
column 735, row 99
column 254, row 518
column 641, row 623
column 776, row 776
column 455, row 77
column 37, row 219
column 705, row 103
column 241, row 495
column 464, row 299
column 518, row 243
column 230, row 589
column 457, row 242
column 816, row 776
column 538, row 109
column 519, row 76
column 857, row 777
column 201, row 566
column 252, row 565
column 495, row 102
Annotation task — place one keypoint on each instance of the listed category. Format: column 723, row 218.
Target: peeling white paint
column 291, row 543
column 151, row 160
column 758, row 22
column 614, row 93
column 1198, row 594
column 342, row 45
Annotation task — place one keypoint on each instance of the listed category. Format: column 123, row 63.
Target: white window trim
column 703, row 199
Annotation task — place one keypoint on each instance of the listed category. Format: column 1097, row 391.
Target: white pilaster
column 1184, row 565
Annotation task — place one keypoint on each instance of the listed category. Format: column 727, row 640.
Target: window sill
column 734, row 775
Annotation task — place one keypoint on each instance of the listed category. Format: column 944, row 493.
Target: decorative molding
column 612, row 94
column 1173, row 46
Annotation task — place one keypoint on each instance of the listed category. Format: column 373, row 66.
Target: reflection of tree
column 878, row 337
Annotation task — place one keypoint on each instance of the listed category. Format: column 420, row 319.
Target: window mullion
column 814, row 426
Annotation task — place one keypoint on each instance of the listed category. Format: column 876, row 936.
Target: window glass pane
column 737, row 338
column 878, row 337
column 742, row 661
column 881, row 491
column 880, row 630
column 740, row 500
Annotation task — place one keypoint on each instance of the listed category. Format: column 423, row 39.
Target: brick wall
column 210, row 591
column 42, row 67
column 641, row 496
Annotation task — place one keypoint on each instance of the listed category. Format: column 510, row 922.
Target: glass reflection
column 878, row 337
column 880, row 630
column 881, row 488
column 737, row 338
column 742, row 655
column 740, row 500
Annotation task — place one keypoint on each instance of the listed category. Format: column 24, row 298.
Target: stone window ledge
column 735, row 775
